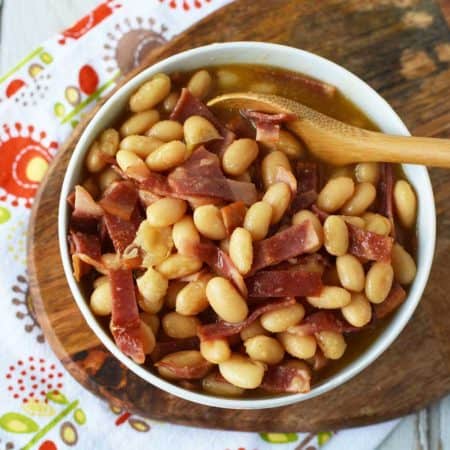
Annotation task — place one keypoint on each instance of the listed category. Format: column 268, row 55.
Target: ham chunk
column 321, row 321
column 188, row 105
column 267, row 125
column 219, row 262
column 372, row 246
column 120, row 199
column 224, row 329
column 233, row 216
column 201, row 175
column 125, row 321
column 122, row 232
column 294, row 241
column 86, row 252
column 86, row 211
column 307, row 186
column 84, row 205
column 284, row 283
column 395, row 298
column 284, row 378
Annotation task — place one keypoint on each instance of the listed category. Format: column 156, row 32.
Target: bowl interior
column 296, row 60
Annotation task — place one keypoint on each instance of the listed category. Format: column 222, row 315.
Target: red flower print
column 24, row 158
column 48, row 445
column 89, row 21
column 88, row 79
column 185, row 5
column 14, row 86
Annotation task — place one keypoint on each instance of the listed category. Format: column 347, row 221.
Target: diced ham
column 223, row 329
column 131, row 258
column 284, row 378
column 71, row 199
column 314, row 262
column 86, row 252
column 163, row 348
column 188, row 105
column 284, row 283
column 192, row 372
column 307, row 187
column 122, row 232
column 319, row 360
column 267, row 125
column 86, row 212
column 125, row 322
column 395, row 298
column 386, row 189
column 80, row 268
column 85, row 205
column 137, row 172
column 321, row 321
column 368, row 245
column 282, row 175
column 267, row 131
column 242, row 190
column 219, row 262
column 85, row 244
column 233, row 216
column 294, row 241
column 147, row 197
column 120, row 199
column 156, row 184
column 203, row 163
column 201, row 176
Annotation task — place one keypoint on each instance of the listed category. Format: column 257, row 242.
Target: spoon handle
column 373, row 146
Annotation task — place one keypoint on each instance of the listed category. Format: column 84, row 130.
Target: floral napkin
column 41, row 100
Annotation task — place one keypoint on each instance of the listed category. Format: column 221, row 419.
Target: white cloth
column 41, row 99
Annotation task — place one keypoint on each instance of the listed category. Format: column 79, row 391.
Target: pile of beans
column 172, row 306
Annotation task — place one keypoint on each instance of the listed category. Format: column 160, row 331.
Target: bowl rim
column 376, row 348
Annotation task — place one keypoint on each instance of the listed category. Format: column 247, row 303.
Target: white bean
column 335, row 193
column 242, row 371
column 209, row 222
column 225, row 300
column 379, row 280
column 405, row 203
column 241, row 250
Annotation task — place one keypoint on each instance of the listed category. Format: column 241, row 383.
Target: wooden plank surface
column 48, row 16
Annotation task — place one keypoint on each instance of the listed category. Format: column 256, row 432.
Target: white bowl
column 315, row 66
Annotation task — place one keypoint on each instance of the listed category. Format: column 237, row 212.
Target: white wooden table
column 25, row 23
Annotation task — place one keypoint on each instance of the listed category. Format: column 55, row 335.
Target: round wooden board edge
column 163, row 51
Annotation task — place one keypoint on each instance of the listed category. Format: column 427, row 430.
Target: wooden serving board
column 401, row 48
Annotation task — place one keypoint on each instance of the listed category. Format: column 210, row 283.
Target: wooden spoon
column 338, row 143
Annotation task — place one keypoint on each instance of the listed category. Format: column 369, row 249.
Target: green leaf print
column 323, row 437
column 279, row 438
column 79, row 416
column 57, row 397
column 5, row 215
column 18, row 423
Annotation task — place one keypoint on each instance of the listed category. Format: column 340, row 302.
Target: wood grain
column 388, row 45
